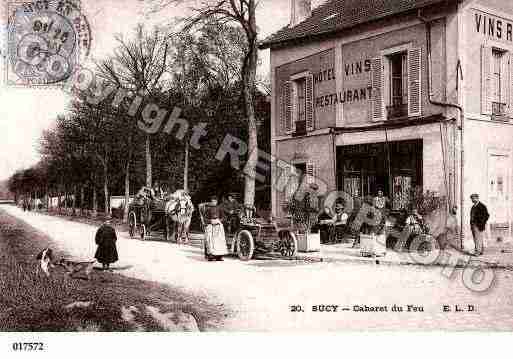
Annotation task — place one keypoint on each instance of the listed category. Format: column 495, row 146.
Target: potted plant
column 303, row 217
column 434, row 211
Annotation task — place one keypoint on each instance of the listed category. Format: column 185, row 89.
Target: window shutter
column 486, row 80
column 293, row 105
column 378, row 108
column 286, row 107
column 509, row 81
column 505, row 80
column 310, row 173
column 309, row 103
column 414, row 81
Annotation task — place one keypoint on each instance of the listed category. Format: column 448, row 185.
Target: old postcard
column 255, row 166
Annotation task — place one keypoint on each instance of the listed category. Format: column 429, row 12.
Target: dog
column 45, row 258
column 73, row 267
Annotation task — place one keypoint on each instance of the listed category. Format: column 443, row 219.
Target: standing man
column 231, row 209
column 156, row 191
column 478, row 218
column 380, row 201
column 339, row 222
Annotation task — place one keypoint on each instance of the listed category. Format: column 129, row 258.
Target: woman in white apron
column 215, row 240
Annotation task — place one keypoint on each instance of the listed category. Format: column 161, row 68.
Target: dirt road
column 262, row 292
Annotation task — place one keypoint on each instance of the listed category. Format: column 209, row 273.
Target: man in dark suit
column 478, row 218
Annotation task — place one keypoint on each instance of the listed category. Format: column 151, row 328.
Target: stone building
column 380, row 94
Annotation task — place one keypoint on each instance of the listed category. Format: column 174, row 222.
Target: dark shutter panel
column 414, row 81
column 310, row 173
column 310, row 126
column 286, row 107
column 486, row 80
column 509, row 81
column 378, row 108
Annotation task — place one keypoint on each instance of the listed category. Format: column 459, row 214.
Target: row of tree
column 96, row 147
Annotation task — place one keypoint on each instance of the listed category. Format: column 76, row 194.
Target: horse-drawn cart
column 145, row 218
column 170, row 215
column 256, row 236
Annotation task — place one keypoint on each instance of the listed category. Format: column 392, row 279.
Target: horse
column 179, row 210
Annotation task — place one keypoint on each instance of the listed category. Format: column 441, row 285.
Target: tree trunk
column 66, row 202
column 127, row 180
column 248, row 83
column 48, row 199
column 149, row 180
column 95, row 202
column 59, row 201
column 186, row 167
column 106, row 189
column 82, row 199
column 74, row 199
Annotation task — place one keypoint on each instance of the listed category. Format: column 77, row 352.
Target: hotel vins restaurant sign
column 348, row 95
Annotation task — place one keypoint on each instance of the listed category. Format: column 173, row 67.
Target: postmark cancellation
column 46, row 41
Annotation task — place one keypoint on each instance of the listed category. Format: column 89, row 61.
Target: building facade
column 412, row 95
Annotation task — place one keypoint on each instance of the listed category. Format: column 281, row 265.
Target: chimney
column 299, row 11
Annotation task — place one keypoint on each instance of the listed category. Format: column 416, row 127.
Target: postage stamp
column 46, row 41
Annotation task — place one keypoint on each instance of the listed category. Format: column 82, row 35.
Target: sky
column 26, row 112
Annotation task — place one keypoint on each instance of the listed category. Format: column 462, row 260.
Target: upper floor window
column 398, row 98
column 300, row 115
column 396, row 83
column 296, row 104
column 498, row 97
column 495, row 86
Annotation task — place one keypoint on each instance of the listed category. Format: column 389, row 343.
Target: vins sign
column 494, row 27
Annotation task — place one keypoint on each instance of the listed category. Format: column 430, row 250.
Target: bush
column 301, row 212
column 428, row 202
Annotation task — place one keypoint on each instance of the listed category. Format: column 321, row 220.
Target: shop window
column 396, row 83
column 394, row 167
column 499, row 187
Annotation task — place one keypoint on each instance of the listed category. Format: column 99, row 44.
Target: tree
column 241, row 13
column 137, row 66
column 200, row 65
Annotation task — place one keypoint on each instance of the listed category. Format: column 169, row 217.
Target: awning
column 392, row 124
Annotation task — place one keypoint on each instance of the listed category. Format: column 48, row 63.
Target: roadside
column 109, row 302
column 497, row 255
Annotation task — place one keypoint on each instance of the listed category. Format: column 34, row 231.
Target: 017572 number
column 27, row 347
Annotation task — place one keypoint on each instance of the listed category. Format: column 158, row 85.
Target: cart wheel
column 132, row 224
column 245, row 245
column 143, row 232
column 288, row 244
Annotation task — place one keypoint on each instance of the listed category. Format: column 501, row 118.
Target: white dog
column 46, row 261
column 45, row 258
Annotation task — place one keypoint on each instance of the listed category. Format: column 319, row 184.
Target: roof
column 336, row 15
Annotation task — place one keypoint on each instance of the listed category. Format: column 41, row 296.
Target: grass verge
column 30, row 301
